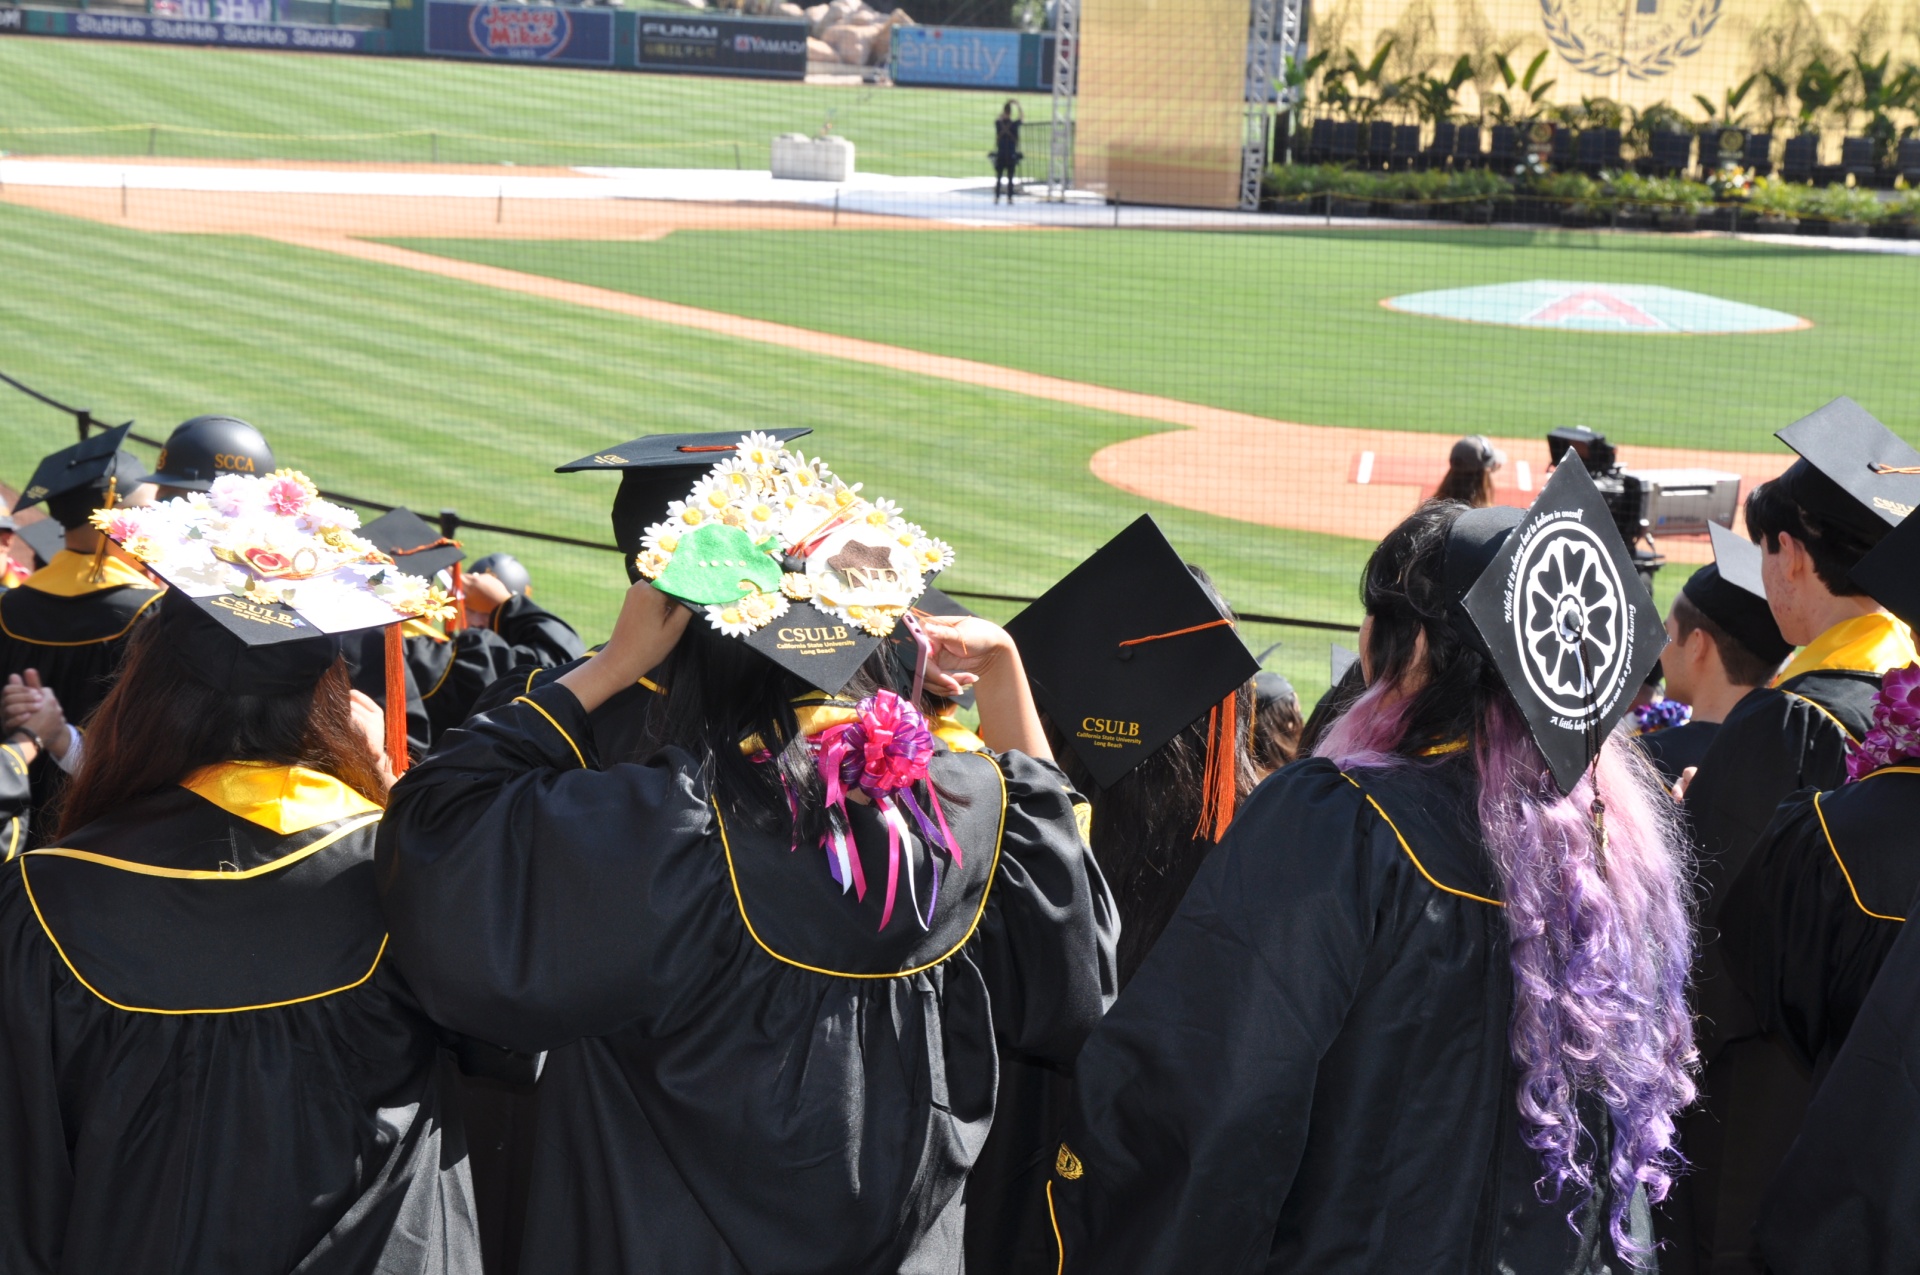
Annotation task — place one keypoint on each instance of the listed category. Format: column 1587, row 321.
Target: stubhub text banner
column 723, row 46
column 156, row 30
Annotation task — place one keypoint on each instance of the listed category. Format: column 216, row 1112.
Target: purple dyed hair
column 1601, row 934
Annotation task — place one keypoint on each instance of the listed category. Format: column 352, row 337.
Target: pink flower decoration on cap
column 287, row 496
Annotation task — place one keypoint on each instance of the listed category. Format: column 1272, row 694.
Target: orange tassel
column 396, row 702
column 1219, row 783
column 459, row 620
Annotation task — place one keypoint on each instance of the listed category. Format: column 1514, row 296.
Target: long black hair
column 720, row 692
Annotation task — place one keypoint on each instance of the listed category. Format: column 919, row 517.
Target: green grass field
column 411, row 389
column 1290, row 326
column 79, row 97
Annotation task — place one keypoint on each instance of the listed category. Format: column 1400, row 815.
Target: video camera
column 1646, row 503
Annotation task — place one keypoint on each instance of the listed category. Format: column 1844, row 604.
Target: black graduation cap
column 1730, row 592
column 657, row 470
column 45, row 537
column 1562, row 612
column 245, row 647
column 88, row 464
column 1128, row 650
column 415, row 545
column 1339, row 661
column 1852, row 469
column 1888, row 572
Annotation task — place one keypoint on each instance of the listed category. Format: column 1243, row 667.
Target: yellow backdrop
column 1160, row 113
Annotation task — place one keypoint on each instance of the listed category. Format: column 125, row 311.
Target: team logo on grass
column 511, row 31
column 1595, row 307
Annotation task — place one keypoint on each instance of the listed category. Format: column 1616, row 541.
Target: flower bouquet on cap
column 271, row 542
column 770, row 535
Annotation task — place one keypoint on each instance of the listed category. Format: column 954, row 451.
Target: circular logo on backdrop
column 1568, row 621
column 1592, row 37
column 1573, row 306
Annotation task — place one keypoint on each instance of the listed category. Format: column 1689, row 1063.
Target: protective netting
column 429, row 282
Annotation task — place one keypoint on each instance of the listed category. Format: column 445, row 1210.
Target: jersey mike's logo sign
column 514, row 32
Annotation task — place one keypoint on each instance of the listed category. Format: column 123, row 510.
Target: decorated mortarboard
column 1852, row 468
column 773, row 548
column 1562, row 612
column 1730, row 592
column 414, row 544
column 655, row 471
column 1889, row 575
column 92, row 462
column 1128, row 650
column 263, row 576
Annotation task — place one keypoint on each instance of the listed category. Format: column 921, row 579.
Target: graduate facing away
column 1423, row 1008
column 208, row 1063
column 774, row 960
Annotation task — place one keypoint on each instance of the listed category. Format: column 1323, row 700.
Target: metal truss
column 1066, row 81
column 1273, row 38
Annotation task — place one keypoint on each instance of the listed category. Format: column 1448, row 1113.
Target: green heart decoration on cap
column 718, row 564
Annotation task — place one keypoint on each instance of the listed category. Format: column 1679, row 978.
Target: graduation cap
column 657, row 470
column 1888, row 574
column 1340, row 661
column 415, row 545
column 44, row 536
column 89, row 466
column 264, row 581
column 1555, row 600
column 1128, row 650
column 1852, row 469
column 1730, row 592
column 773, row 548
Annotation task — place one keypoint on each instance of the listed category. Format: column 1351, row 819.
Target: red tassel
column 1219, row 783
column 396, row 702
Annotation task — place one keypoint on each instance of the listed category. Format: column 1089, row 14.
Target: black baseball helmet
column 505, row 568
column 202, row 449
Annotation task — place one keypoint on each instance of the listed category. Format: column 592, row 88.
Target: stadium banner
column 969, row 58
column 161, row 30
column 723, row 46
column 520, row 33
column 12, row 20
column 1636, row 53
column 256, row 11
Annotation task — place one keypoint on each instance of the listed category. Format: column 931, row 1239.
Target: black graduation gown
column 452, row 671
column 1807, row 923
column 1846, row 1200
column 1753, row 1089
column 16, row 801
column 1310, row 1072
column 745, row 1074
column 1678, row 747
column 207, row 1062
column 74, row 632
column 624, row 729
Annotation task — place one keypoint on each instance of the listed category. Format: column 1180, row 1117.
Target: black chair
column 1440, row 149
column 1857, row 160
column 1906, row 160
column 1345, row 146
column 1406, row 145
column 1561, row 156
column 1466, row 147
column 1760, row 154
column 1598, row 150
column 1379, row 144
column 1319, row 141
column 1504, row 149
column 1800, row 157
column 1669, row 153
